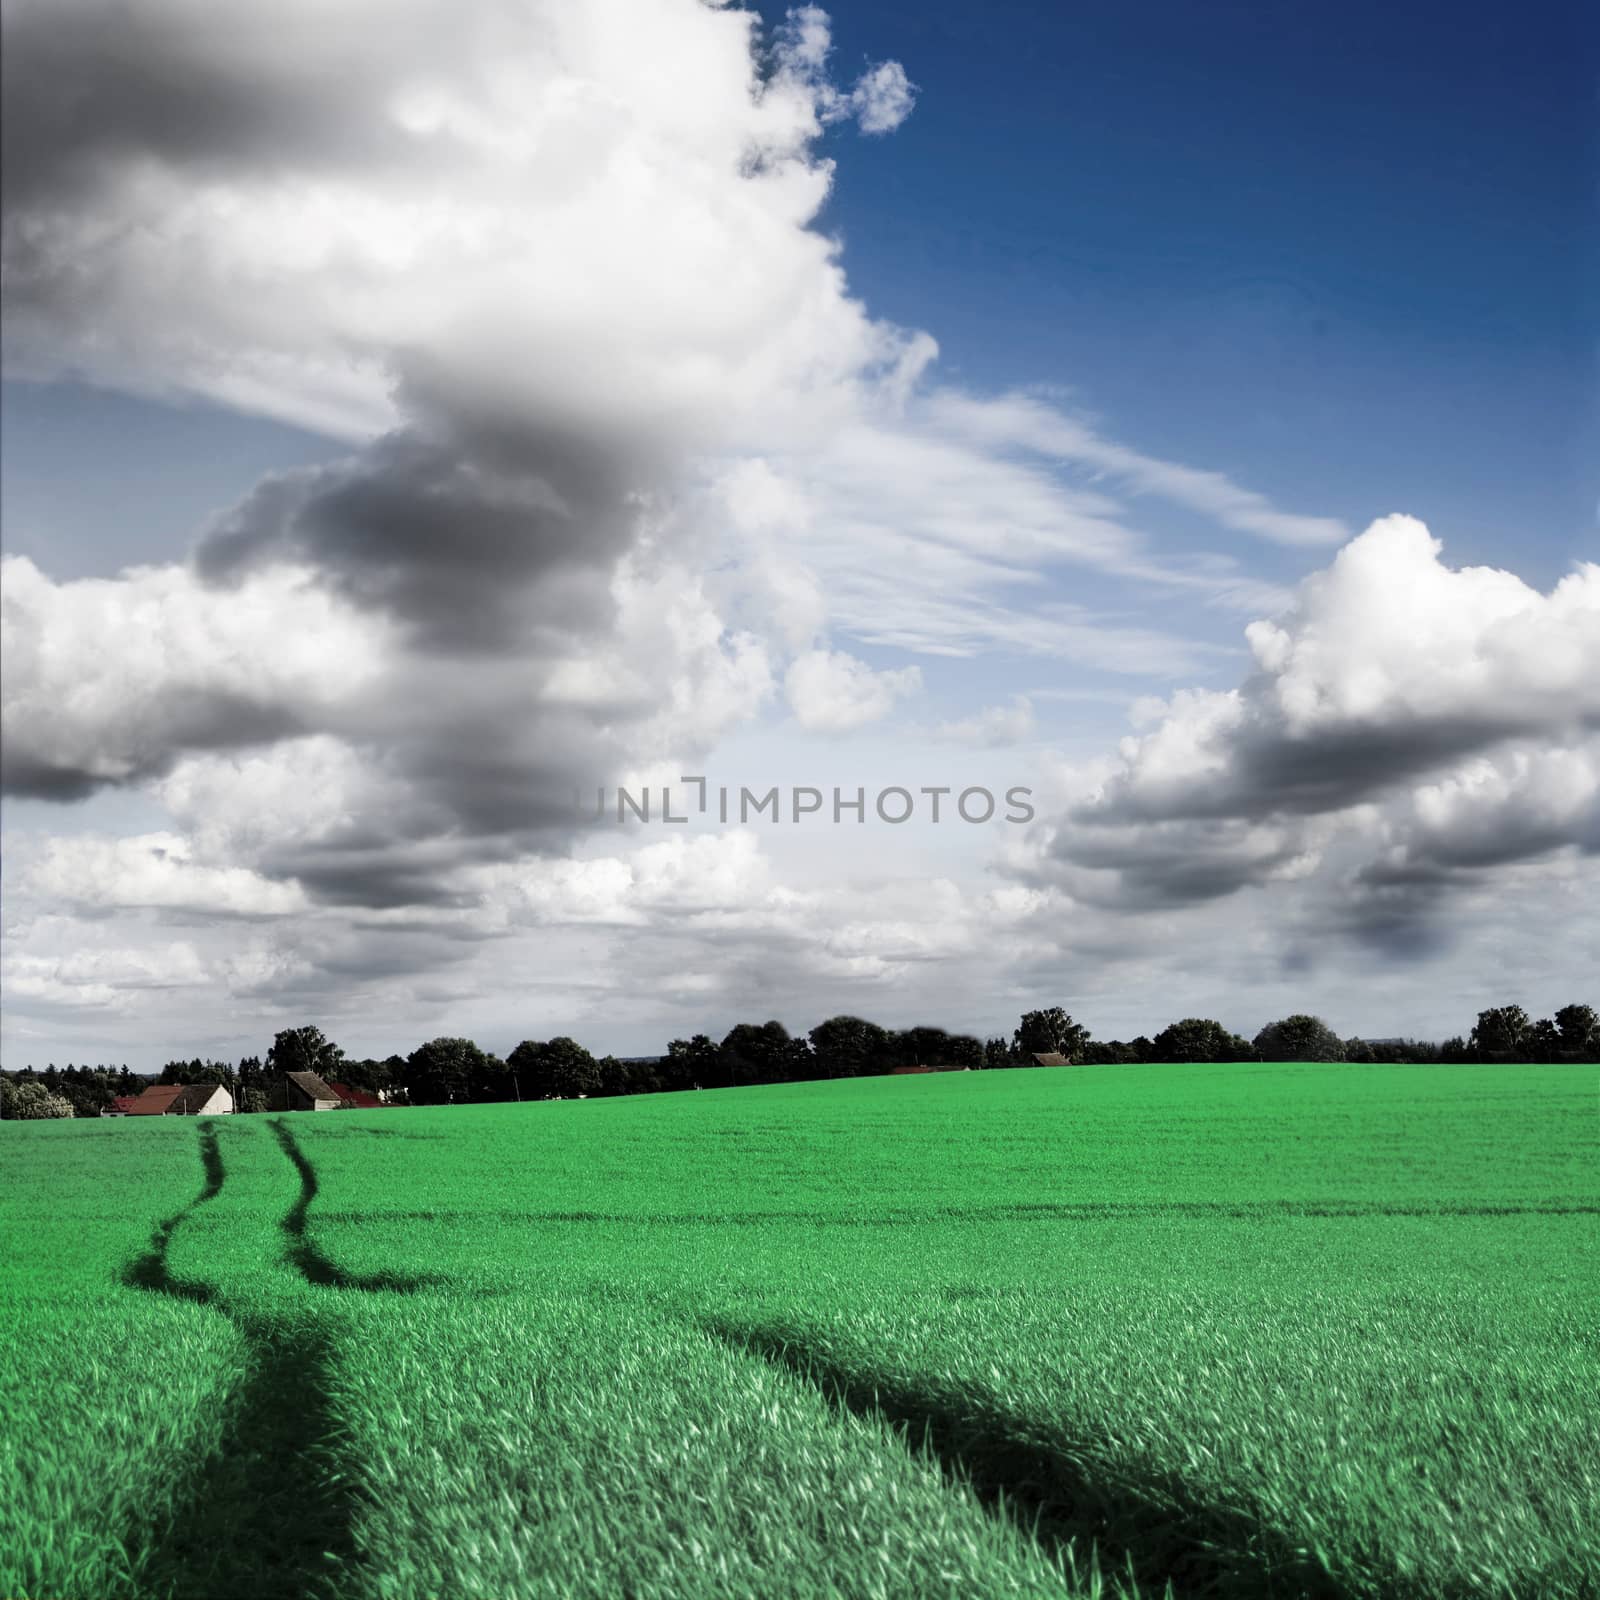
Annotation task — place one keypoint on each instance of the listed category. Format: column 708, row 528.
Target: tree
column 848, row 1047
column 1199, row 1039
column 554, row 1069
column 445, row 1072
column 1299, row 1038
column 1111, row 1053
column 305, row 1049
column 1042, row 1032
column 82, row 1099
column 691, row 1063
column 919, row 1047
column 1498, row 1033
column 1359, row 1050
column 763, row 1052
column 1578, row 1031
column 32, row 1102
column 963, row 1050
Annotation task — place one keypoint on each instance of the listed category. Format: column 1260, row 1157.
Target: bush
column 32, row 1101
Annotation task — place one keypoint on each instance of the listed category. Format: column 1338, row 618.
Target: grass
column 1251, row 1330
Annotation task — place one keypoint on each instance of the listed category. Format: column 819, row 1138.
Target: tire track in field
column 150, row 1270
column 304, row 1254
column 1151, row 1526
column 265, row 1514
column 268, row 1513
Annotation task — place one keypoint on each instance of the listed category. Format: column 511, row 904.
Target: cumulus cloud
column 106, row 681
column 155, row 871
column 530, row 260
column 832, row 692
column 1435, row 721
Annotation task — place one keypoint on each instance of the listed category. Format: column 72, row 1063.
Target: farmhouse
column 305, row 1091
column 1050, row 1058
column 179, row 1100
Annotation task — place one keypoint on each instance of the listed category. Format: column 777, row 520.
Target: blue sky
column 1260, row 275
column 1348, row 253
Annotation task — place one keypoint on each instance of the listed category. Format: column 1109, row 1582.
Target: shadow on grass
column 267, row 1514
column 307, row 1259
column 1148, row 1525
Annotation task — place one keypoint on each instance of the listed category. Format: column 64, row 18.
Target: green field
column 1258, row 1330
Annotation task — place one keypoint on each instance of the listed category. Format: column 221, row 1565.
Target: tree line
column 455, row 1071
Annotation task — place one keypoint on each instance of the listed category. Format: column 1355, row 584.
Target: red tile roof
column 123, row 1103
column 156, row 1101
column 362, row 1099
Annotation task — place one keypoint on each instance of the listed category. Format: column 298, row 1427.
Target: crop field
column 1255, row 1330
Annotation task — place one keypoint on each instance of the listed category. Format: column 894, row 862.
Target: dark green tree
column 305, row 1049
column 1049, row 1030
column 762, row 1052
column 1199, row 1039
column 692, row 1063
column 1299, row 1038
column 919, row 1047
column 445, row 1071
column 1578, row 1031
column 554, row 1069
column 963, row 1050
column 848, row 1047
column 1111, row 1053
column 1497, row 1035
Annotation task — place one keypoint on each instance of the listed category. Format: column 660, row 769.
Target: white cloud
column 104, row 679
column 881, row 98
column 1024, row 422
column 1426, row 719
column 832, row 692
column 155, row 870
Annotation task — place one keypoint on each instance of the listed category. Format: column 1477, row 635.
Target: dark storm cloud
column 94, row 90
column 1273, row 771
column 187, row 721
column 1168, row 865
column 470, row 554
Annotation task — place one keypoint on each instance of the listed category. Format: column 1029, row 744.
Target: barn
column 305, row 1091
column 181, row 1100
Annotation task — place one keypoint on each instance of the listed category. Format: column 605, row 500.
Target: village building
column 304, row 1091
column 177, row 1100
column 1051, row 1058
